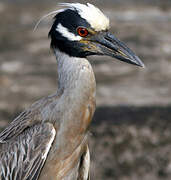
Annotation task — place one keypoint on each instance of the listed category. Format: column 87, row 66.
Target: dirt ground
column 131, row 130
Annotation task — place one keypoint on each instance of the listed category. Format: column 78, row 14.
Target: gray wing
column 26, row 119
column 23, row 157
column 17, row 126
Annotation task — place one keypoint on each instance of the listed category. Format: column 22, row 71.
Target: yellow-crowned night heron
column 48, row 141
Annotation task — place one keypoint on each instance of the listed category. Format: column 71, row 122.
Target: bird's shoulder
column 29, row 117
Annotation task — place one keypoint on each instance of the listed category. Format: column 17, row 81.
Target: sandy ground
column 131, row 130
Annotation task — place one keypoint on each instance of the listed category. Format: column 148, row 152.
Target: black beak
column 109, row 45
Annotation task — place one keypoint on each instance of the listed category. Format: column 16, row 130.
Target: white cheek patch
column 65, row 33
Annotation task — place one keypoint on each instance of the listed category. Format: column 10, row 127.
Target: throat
column 74, row 74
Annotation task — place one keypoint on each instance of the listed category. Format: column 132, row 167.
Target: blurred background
column 131, row 129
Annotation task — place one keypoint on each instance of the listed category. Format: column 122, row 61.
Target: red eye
column 83, row 32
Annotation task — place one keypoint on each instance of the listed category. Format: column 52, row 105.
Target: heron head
column 82, row 30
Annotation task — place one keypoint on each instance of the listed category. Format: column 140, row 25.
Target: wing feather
column 26, row 119
column 23, row 157
column 84, row 166
column 16, row 126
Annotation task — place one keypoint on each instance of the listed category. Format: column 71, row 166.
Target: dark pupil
column 82, row 31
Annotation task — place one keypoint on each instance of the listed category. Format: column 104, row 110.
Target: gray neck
column 74, row 73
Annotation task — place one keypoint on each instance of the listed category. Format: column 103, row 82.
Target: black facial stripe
column 72, row 48
column 71, row 20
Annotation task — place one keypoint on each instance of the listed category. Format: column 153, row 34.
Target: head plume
column 89, row 12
